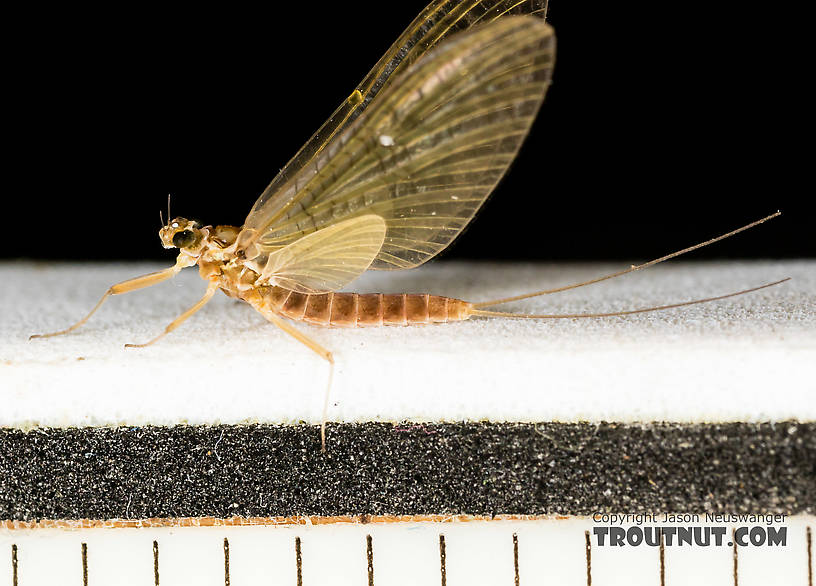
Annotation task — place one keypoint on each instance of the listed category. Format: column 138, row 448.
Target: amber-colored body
column 388, row 182
column 359, row 310
column 213, row 250
column 326, row 309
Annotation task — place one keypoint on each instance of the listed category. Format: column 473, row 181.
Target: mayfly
column 387, row 182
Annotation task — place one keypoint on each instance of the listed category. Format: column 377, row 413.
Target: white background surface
column 477, row 553
column 748, row 358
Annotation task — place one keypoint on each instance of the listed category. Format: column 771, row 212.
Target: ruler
column 552, row 551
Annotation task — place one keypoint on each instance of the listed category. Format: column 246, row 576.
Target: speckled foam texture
column 474, row 468
column 751, row 358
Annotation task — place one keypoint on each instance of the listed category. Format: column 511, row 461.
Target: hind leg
column 320, row 351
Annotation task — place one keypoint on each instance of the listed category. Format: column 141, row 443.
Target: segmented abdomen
column 364, row 309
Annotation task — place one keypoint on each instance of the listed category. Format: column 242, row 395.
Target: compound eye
column 183, row 239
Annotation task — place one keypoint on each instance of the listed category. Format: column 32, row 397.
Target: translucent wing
column 325, row 260
column 437, row 22
column 427, row 152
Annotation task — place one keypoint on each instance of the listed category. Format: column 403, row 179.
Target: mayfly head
column 184, row 234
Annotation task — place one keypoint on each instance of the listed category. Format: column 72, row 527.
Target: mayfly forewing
column 328, row 259
column 429, row 150
column 436, row 23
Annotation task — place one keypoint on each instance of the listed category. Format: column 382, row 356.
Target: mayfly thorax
column 388, row 181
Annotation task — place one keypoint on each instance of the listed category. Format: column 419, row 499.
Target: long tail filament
column 625, row 271
column 481, row 312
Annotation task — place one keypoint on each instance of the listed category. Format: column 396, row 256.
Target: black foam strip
column 377, row 468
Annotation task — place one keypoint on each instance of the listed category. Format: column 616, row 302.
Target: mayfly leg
column 124, row 287
column 323, row 353
column 211, row 289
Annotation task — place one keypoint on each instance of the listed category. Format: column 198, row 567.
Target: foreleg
column 123, row 287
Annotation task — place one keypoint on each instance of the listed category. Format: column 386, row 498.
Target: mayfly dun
column 387, row 182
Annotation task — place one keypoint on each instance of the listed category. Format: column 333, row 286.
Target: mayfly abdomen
column 365, row 309
column 376, row 309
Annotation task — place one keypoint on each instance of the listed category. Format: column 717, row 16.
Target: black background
column 664, row 126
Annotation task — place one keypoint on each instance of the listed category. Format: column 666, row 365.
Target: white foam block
column 749, row 358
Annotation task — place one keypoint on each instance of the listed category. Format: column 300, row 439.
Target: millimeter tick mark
column 736, row 557
column 442, row 569
column 370, row 560
column 298, row 562
column 14, row 564
column 515, row 559
column 809, row 557
column 226, row 562
column 84, row 564
column 155, row 563
column 662, row 560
